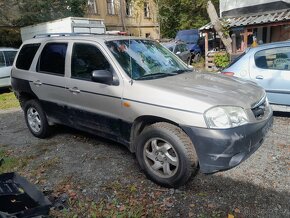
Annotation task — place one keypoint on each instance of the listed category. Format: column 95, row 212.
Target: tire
column 35, row 119
column 196, row 58
column 189, row 61
column 166, row 154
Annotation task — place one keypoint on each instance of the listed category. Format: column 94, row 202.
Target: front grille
column 260, row 108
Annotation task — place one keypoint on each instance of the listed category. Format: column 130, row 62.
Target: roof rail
column 64, row 34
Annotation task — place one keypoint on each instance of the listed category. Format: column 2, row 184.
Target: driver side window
column 85, row 59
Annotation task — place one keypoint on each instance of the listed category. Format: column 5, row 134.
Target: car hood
column 206, row 90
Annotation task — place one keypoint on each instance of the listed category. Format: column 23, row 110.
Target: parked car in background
column 269, row 66
column 7, row 56
column 180, row 49
column 191, row 38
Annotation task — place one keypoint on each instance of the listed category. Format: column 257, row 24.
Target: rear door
column 270, row 68
column 96, row 107
column 48, row 80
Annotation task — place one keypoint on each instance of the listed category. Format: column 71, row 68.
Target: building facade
column 135, row 17
column 261, row 20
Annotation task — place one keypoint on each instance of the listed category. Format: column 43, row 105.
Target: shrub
column 221, row 60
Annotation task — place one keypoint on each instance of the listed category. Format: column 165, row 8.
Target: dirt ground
column 87, row 176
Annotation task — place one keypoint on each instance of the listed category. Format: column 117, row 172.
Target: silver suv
column 135, row 92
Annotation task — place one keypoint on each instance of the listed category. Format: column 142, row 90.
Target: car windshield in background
column 187, row 37
column 145, row 59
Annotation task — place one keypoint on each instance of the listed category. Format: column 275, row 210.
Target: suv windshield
column 145, row 59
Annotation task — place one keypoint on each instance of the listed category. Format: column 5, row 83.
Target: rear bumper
column 222, row 149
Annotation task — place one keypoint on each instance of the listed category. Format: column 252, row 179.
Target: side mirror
column 102, row 76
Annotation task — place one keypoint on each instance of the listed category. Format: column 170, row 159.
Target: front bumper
column 222, row 149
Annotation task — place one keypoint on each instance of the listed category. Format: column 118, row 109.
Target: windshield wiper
column 156, row 75
column 181, row 71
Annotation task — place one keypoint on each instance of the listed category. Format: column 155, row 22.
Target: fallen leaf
column 122, row 208
column 192, row 205
column 210, row 205
column 237, row 210
column 190, row 214
column 231, row 216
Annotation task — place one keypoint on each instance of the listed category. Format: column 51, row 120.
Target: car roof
column 7, row 49
column 271, row 45
column 90, row 37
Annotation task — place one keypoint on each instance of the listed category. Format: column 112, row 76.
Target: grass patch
column 118, row 200
column 8, row 100
column 10, row 163
column 200, row 64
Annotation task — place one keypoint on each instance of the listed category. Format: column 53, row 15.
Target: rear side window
column 52, row 58
column 9, row 57
column 26, row 56
column 2, row 59
column 274, row 58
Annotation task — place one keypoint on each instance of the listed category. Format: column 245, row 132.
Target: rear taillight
column 228, row 73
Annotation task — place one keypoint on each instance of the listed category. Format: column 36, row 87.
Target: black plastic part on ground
column 19, row 198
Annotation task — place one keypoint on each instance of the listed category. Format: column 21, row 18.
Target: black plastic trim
column 4, row 77
column 222, row 149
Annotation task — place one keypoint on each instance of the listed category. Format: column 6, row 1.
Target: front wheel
column 166, row 154
column 36, row 119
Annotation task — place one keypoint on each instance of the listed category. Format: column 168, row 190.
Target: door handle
column 74, row 90
column 259, row 77
column 37, row 83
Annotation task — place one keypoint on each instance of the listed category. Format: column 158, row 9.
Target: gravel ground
column 106, row 174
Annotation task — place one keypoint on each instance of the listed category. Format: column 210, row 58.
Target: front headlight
column 224, row 117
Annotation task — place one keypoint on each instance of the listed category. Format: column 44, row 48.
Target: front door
column 94, row 106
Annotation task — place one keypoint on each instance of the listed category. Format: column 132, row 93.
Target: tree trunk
column 124, row 29
column 227, row 41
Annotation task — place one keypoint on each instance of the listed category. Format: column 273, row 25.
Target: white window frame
column 111, row 7
column 129, row 8
column 146, row 10
column 92, row 7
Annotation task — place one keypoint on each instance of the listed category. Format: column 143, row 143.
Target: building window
column 92, row 7
column 129, row 7
column 111, row 7
column 146, row 10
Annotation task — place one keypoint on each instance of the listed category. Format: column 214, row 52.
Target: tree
column 176, row 15
column 227, row 41
column 37, row 11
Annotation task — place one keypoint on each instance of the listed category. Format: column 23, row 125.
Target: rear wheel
column 166, row 154
column 196, row 57
column 36, row 119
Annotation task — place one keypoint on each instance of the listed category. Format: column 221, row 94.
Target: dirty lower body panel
column 222, row 149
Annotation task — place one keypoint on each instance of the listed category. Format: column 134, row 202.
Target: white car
column 7, row 56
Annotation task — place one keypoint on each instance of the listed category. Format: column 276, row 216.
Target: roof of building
column 254, row 19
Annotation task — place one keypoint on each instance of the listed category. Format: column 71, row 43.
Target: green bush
column 221, row 60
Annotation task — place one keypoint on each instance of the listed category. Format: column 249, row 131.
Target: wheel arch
column 25, row 96
column 141, row 122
